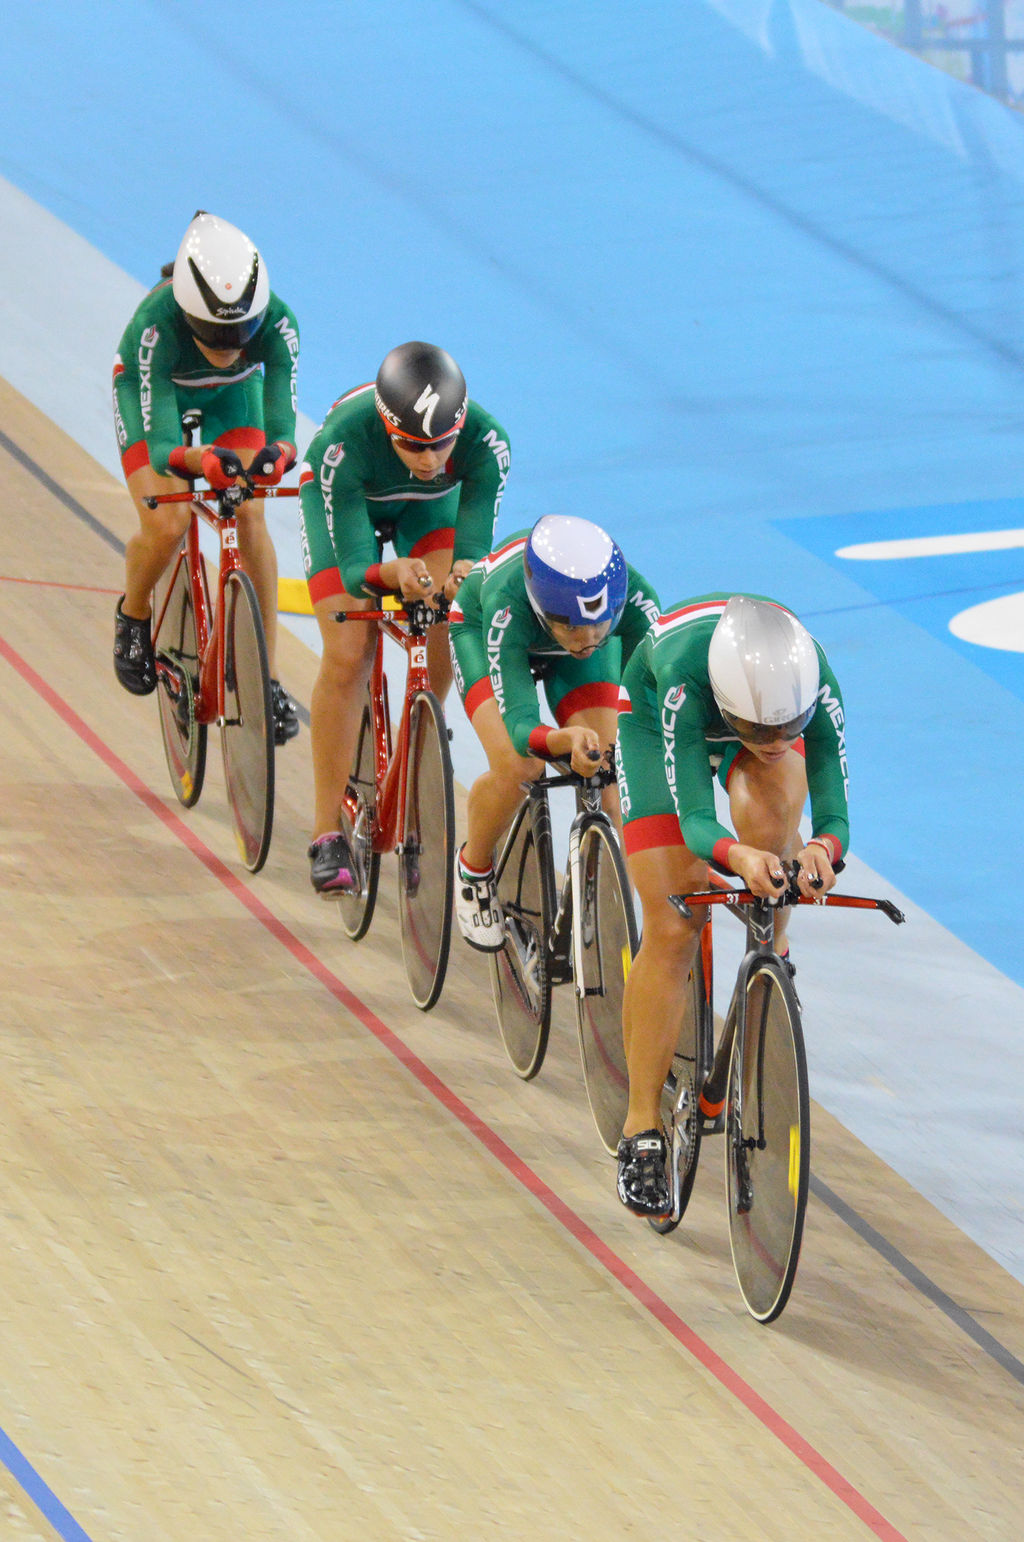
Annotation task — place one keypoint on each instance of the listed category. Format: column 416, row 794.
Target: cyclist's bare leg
column 153, row 545
column 439, row 662
column 337, row 702
column 495, row 794
column 652, row 1008
column 605, row 723
column 766, row 801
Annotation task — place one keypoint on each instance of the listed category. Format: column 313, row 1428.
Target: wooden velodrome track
column 281, row 1257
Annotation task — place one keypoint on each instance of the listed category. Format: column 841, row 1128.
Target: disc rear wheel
column 608, row 941
column 177, row 654
column 427, row 853
column 360, row 817
column 520, row 981
column 679, row 1110
column 247, row 733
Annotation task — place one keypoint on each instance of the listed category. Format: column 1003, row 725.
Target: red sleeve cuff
column 538, row 740
column 372, row 579
column 721, row 849
column 176, row 461
column 831, row 845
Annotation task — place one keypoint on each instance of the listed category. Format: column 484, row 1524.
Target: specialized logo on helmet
column 218, row 308
column 426, row 407
column 384, row 409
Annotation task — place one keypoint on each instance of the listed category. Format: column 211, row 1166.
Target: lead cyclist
column 733, row 687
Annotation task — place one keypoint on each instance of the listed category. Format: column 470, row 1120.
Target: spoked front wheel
column 520, row 981
column 767, row 1143
column 679, row 1110
column 177, row 655
column 247, row 733
column 427, row 854
column 360, row 814
column 607, row 943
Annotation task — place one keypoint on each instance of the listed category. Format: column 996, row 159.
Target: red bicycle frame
column 391, row 767
column 210, row 701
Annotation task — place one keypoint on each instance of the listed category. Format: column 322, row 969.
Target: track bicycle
column 401, row 798
column 211, row 664
column 753, row 1089
column 584, row 932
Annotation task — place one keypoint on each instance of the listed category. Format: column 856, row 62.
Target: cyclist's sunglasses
column 768, row 733
column 417, row 447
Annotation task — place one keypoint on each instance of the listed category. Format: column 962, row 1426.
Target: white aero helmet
column 220, row 282
column 763, row 667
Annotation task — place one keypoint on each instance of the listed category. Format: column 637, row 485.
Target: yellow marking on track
column 293, row 597
column 794, row 1158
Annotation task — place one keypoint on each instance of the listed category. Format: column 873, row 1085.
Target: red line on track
column 52, row 583
column 762, row 1410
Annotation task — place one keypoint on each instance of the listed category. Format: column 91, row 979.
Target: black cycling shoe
column 642, row 1179
column 134, row 660
column 333, row 870
column 286, row 719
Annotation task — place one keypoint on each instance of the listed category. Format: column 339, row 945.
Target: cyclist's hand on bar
column 409, row 577
column 581, row 746
column 221, row 467
column 761, row 871
column 269, row 464
column 455, row 577
column 816, row 874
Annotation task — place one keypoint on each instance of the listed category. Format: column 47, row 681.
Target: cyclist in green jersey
column 557, row 603
column 410, row 457
column 733, row 686
column 211, row 335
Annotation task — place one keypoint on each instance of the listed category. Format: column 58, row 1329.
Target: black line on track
column 918, row 1279
column 34, row 469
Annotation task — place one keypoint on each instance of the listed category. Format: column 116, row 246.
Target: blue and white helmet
column 575, row 574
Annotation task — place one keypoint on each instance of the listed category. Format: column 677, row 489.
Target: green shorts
column 232, row 416
column 412, row 528
column 570, row 685
column 649, row 815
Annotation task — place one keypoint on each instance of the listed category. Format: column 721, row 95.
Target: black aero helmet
column 421, row 393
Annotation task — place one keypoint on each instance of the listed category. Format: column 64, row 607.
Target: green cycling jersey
column 353, row 484
column 671, row 733
column 499, row 646
column 159, row 372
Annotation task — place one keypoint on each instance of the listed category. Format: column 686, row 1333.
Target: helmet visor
column 768, row 733
column 225, row 334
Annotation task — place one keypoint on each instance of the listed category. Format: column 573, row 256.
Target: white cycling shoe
column 478, row 910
